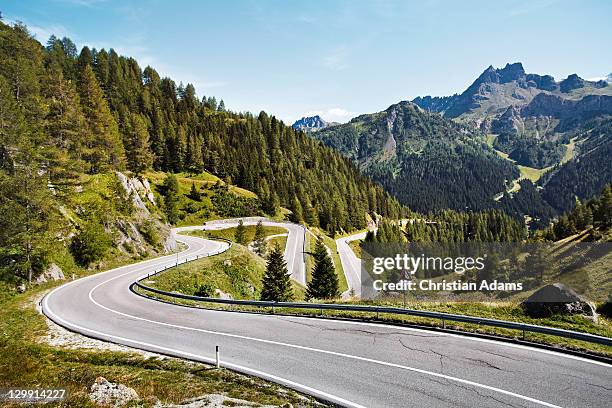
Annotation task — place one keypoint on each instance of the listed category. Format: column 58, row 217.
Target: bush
column 606, row 308
column 90, row 244
column 205, row 290
column 148, row 230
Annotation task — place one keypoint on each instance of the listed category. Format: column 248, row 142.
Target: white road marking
column 148, row 346
column 282, row 380
column 321, row 351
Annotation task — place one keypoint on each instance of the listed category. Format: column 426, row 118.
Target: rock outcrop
column 556, row 299
column 52, row 273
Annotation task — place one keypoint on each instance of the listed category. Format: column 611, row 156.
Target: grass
column 280, row 241
column 218, row 199
column 25, row 361
column 230, row 233
column 237, row 271
column 356, row 247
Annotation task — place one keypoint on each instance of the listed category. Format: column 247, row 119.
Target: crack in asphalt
column 501, row 355
column 482, row 395
column 441, row 356
column 597, row 385
column 483, row 363
column 352, row 330
column 412, row 348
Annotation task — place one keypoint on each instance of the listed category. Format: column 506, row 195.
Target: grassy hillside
column 238, row 272
column 230, row 233
column 217, row 198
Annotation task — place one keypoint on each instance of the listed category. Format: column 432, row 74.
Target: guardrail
column 443, row 317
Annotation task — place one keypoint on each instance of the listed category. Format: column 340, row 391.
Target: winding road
column 351, row 264
column 348, row 363
column 294, row 249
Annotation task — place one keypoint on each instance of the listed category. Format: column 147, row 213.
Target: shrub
column 90, row 244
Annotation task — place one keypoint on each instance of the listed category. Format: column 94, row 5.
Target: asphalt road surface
column 352, row 364
column 350, row 264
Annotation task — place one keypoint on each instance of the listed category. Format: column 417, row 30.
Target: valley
column 225, row 252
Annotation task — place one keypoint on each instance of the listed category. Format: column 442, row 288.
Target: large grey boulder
column 556, row 299
column 52, row 273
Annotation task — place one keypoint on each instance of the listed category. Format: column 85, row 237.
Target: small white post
column 217, row 355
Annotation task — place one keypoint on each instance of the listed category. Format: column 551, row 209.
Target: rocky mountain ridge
column 312, row 124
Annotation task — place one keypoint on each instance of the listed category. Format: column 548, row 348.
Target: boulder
column 556, row 299
column 222, row 295
column 106, row 393
column 53, row 273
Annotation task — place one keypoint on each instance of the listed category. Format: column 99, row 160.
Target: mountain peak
column 511, row 72
column 310, row 123
column 570, row 83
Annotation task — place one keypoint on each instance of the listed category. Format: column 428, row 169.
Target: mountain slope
column 542, row 125
column 65, row 118
column 426, row 161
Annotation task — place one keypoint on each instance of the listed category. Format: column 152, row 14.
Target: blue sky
column 337, row 58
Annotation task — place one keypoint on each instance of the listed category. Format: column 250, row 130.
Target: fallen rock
column 556, row 299
column 222, row 295
column 53, row 272
column 104, row 392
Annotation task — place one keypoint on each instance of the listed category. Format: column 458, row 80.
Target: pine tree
column 296, row 211
column 65, row 125
column 103, row 144
column 240, row 234
column 171, row 198
column 136, row 141
column 259, row 241
column 194, row 193
column 276, row 282
column 324, row 282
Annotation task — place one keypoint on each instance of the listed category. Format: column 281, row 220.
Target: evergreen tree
column 136, row 141
column 65, row 125
column 296, row 211
column 259, row 241
column 194, row 193
column 240, row 233
column 171, row 198
column 537, row 264
column 324, row 282
column 221, row 107
column 103, row 144
column 276, row 282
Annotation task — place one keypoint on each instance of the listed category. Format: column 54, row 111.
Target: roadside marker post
column 217, row 356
